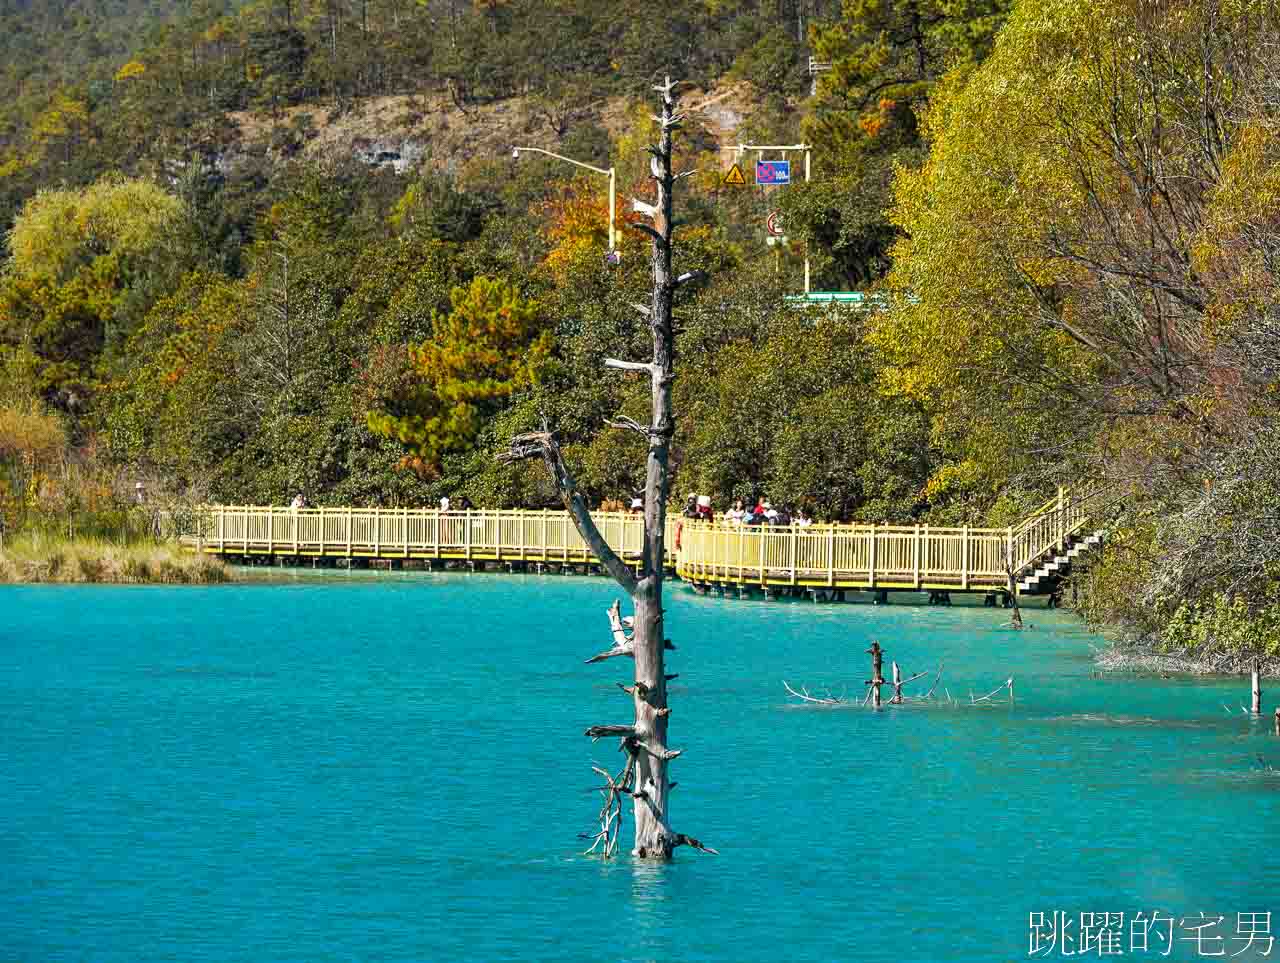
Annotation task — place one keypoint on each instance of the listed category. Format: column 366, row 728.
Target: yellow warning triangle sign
column 734, row 176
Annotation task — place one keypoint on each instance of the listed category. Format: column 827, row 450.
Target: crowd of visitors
column 762, row 512
column 697, row 507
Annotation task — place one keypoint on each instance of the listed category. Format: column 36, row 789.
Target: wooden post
column 964, row 557
column 466, row 523
column 271, row 530
column 915, row 555
column 405, row 530
column 377, row 533
column 877, row 679
column 1257, row 688
column 1062, row 522
column 349, row 526
column 871, row 559
column 897, row 685
column 763, row 534
column 795, row 557
column 831, row 555
column 924, row 545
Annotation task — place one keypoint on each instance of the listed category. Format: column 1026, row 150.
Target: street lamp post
column 609, row 172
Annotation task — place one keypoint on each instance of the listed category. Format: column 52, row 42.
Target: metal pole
column 808, row 151
column 613, row 202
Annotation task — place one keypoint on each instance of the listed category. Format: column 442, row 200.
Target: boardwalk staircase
column 1063, row 534
column 1046, row 576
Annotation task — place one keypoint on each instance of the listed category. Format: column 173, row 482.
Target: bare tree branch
column 543, row 443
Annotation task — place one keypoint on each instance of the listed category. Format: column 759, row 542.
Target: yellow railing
column 410, row 533
column 836, row 556
column 844, row 556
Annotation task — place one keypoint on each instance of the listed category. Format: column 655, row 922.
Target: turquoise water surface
column 393, row 768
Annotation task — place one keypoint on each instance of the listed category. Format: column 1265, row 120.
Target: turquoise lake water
column 393, row 768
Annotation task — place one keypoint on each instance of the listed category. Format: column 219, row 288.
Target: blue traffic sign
column 773, row 172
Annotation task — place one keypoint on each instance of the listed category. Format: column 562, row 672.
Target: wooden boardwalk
column 832, row 557
column 410, row 533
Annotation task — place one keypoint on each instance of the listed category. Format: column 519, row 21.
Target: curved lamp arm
column 608, row 172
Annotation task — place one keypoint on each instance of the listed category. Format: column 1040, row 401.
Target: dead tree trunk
column 1256, row 687
column 877, row 674
column 1011, row 582
column 645, row 776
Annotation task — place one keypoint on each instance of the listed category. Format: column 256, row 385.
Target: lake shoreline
column 35, row 559
column 1144, row 656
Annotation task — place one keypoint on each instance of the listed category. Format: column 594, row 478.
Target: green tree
column 488, row 347
column 886, row 56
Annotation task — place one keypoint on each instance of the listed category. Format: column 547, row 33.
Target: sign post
column 776, row 173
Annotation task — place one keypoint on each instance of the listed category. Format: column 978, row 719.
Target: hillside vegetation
column 271, row 247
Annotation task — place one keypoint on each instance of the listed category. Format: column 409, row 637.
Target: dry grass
column 44, row 558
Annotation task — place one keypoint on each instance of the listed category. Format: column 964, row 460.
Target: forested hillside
column 259, row 248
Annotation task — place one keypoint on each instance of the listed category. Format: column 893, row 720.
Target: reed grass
column 40, row 557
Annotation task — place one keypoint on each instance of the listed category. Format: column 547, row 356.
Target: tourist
column 637, row 506
column 690, row 506
column 704, row 512
column 139, row 494
column 735, row 514
column 802, row 519
column 782, row 516
column 444, row 503
column 770, row 513
column 298, row 502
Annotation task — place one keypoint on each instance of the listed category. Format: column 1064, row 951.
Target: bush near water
column 253, row 249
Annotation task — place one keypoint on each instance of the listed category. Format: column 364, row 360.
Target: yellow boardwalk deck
column 839, row 557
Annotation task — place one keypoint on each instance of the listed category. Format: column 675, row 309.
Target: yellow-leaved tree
column 83, row 268
column 1019, row 229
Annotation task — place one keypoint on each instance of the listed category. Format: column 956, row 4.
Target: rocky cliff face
column 403, row 131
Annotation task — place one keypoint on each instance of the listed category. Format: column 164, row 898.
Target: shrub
column 1224, row 624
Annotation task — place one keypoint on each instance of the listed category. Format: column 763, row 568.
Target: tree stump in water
column 877, row 679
